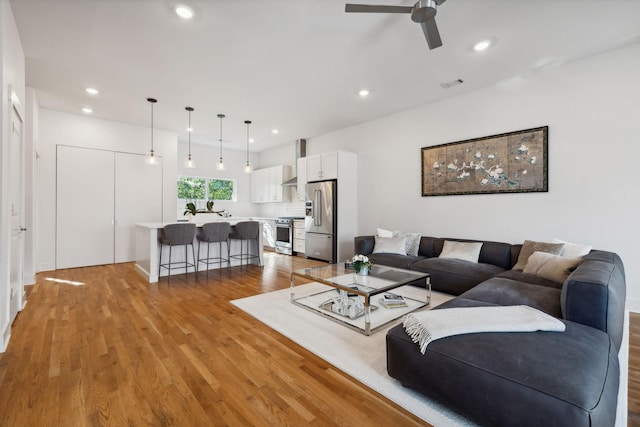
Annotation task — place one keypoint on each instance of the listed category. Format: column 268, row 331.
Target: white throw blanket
column 427, row 326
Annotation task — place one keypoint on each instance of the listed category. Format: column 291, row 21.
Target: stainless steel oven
column 284, row 235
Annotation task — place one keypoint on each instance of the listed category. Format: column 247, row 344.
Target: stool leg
column 169, row 274
column 193, row 257
column 160, row 262
column 198, row 263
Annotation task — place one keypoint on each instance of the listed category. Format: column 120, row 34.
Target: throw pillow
column 551, row 267
column 390, row 245
column 465, row 251
column 529, row 247
column 385, row 233
column 413, row 241
column 573, row 250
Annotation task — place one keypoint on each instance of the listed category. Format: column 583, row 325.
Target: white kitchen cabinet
column 321, row 167
column 302, row 179
column 298, row 236
column 266, row 184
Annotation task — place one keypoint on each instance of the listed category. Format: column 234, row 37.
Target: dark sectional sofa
column 524, row 379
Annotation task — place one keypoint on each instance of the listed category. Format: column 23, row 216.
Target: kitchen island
column 148, row 249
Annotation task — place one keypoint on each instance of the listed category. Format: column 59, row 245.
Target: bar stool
column 214, row 232
column 177, row 235
column 245, row 231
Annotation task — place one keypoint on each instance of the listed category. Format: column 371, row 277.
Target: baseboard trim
column 29, row 279
column 47, row 266
column 633, row 304
column 5, row 337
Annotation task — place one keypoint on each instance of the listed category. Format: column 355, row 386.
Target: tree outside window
column 196, row 189
column 191, row 188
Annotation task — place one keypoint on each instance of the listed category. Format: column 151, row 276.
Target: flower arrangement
column 360, row 262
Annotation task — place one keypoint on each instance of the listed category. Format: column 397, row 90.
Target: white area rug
column 362, row 357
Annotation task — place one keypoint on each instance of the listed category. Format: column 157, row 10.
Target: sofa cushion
column 499, row 290
column 454, row 276
column 573, row 250
column 412, row 242
column 507, row 379
column 394, row 260
column 426, row 246
column 529, row 247
column 464, row 251
column 553, row 267
column 391, row 245
column 520, row 276
column 496, row 253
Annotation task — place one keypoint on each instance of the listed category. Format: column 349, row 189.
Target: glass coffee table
column 363, row 303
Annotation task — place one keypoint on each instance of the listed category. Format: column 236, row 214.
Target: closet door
column 85, row 207
column 138, row 199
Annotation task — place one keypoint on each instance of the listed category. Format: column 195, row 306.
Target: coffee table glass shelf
column 356, row 301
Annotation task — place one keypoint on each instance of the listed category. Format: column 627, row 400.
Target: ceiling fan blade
column 430, row 30
column 367, row 8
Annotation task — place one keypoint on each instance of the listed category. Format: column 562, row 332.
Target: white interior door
column 138, row 192
column 16, row 253
column 84, row 207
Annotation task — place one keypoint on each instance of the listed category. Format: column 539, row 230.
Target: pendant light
column 151, row 157
column 221, row 166
column 189, row 163
column 247, row 167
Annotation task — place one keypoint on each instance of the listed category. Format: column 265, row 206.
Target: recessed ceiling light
column 364, row 93
column 87, row 110
column 184, row 12
column 92, row 91
column 252, row 140
column 480, row 46
column 189, row 129
column 275, row 131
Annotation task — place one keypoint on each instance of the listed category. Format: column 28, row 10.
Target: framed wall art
column 514, row 162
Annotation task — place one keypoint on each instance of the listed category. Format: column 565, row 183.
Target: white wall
column 11, row 73
column 592, row 108
column 84, row 131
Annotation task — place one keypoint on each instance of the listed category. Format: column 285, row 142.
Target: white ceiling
column 292, row 64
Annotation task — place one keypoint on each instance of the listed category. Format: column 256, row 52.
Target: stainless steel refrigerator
column 321, row 221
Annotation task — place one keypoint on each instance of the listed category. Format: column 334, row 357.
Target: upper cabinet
column 266, row 184
column 321, row 167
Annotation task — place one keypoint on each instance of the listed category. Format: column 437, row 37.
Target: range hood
column 301, row 151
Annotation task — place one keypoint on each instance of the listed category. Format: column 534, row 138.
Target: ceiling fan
column 423, row 12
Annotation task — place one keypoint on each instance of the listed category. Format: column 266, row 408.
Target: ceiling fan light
column 483, row 45
column 184, row 12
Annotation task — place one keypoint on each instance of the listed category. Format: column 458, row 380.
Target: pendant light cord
column 248, row 122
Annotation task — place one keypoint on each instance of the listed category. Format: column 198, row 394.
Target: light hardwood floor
column 100, row 346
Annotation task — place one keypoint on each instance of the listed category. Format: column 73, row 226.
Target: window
column 194, row 189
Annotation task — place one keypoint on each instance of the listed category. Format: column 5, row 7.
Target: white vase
column 364, row 271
